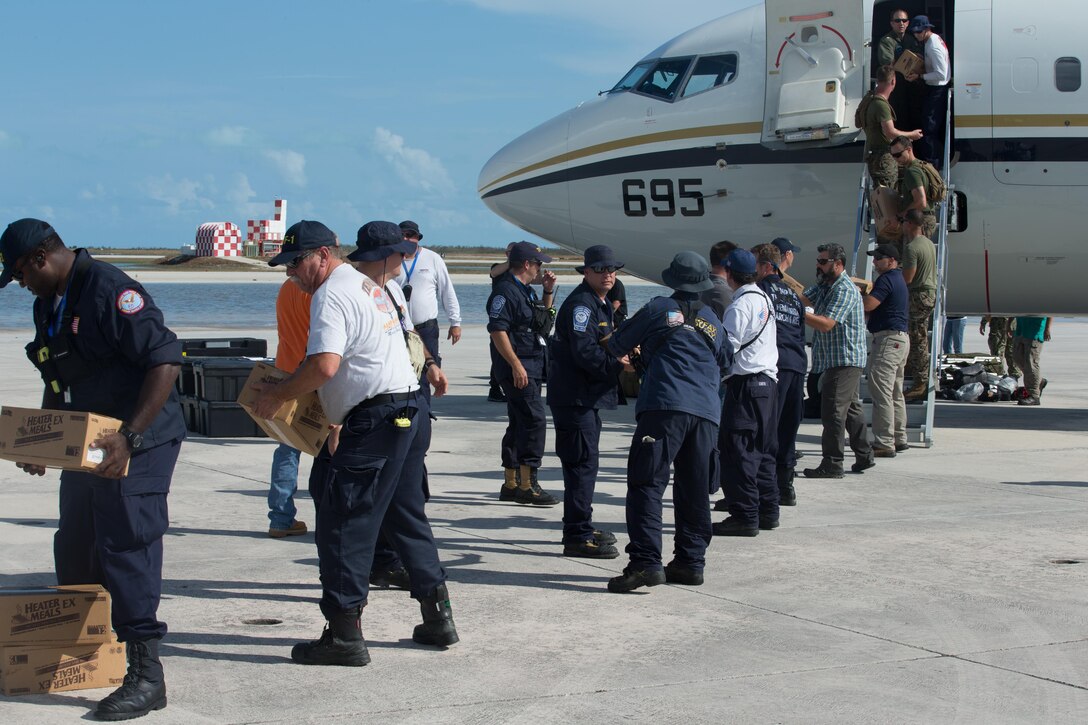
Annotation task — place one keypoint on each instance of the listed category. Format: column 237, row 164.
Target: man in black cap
column 358, row 363
column 685, row 353
column 888, row 307
column 581, row 380
column 519, row 322
column 101, row 346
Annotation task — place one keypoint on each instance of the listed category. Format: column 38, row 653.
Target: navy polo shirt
column 789, row 319
column 509, row 310
column 894, row 309
column 683, row 367
column 581, row 372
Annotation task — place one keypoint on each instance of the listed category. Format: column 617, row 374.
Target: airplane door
column 817, row 71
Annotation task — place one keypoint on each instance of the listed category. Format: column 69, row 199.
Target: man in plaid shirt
column 838, row 355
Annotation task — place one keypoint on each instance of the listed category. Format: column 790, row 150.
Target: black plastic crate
column 220, row 379
column 225, row 347
column 226, row 420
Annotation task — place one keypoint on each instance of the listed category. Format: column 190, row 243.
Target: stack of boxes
column 54, row 639
column 218, row 239
column 213, row 373
column 265, row 236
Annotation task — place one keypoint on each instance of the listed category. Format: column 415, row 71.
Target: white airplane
column 742, row 129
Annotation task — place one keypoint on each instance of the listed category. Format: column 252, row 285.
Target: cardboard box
column 909, row 63
column 30, row 670
column 300, row 423
column 53, row 438
column 72, row 614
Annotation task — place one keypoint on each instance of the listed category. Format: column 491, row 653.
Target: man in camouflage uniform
column 1000, row 347
column 920, row 273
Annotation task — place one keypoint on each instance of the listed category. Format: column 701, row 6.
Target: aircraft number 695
column 663, row 197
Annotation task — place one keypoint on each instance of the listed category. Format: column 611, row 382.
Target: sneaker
column 604, row 537
column 297, row 528
column 721, row 505
column 767, row 524
column 824, row 470
column 590, row 549
column 391, row 579
column 330, row 650
column 632, row 579
column 1028, row 401
column 733, row 526
column 864, row 465
column 676, row 574
column 900, row 447
column 880, row 452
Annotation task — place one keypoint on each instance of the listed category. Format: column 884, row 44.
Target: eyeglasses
column 600, row 269
column 822, row 262
column 897, row 154
column 294, row 263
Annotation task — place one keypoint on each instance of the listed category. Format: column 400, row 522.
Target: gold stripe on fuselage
column 728, row 129
column 1037, row 120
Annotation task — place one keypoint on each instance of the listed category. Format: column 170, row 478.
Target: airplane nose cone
column 523, row 182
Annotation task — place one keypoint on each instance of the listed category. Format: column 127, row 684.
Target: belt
column 383, row 399
column 433, row 322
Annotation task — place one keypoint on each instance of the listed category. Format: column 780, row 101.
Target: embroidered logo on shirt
column 581, row 319
column 497, row 304
column 674, row 318
column 129, row 302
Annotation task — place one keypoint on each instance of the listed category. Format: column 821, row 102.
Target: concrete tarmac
column 937, row 587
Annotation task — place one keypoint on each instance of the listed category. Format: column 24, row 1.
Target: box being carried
column 54, row 438
column 909, row 63
column 300, row 423
column 67, row 614
column 29, row 670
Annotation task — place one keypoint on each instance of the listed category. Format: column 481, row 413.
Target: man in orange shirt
column 293, row 326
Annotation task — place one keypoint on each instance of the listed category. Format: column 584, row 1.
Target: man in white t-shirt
column 358, row 363
column 425, row 280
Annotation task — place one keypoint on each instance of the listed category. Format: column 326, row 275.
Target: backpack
column 863, row 108
column 936, row 190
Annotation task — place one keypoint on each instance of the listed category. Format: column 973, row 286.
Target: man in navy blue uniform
column 748, row 438
column 684, row 351
column 104, row 348
column 519, row 322
column 581, row 380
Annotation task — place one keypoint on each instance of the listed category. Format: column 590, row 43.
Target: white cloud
column 290, row 164
column 98, row 192
column 175, row 193
column 415, row 167
column 229, row 136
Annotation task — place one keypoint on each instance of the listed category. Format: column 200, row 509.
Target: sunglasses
column 604, row 270
column 294, row 263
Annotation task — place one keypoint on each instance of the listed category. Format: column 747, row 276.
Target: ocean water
column 253, row 305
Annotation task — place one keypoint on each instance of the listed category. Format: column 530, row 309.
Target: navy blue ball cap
column 599, row 255
column 528, row 252
column 376, row 240
column 303, row 236
column 740, row 261
column 688, row 272
column 19, row 239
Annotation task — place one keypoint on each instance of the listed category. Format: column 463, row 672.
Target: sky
column 128, row 123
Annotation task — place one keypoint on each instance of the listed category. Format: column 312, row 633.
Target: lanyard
column 408, row 272
column 58, row 314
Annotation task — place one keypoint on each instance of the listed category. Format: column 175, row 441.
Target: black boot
column 144, row 688
column 341, row 643
column 787, row 496
column 437, row 628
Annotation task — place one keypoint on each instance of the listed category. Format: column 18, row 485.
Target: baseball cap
column 410, row 226
column 376, row 240
column 885, row 250
column 300, row 237
column 20, row 238
column 527, row 252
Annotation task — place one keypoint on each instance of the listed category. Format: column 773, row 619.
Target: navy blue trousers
column 687, row 443
column 110, row 533
column 748, row 443
column 577, row 444
column 791, row 408
column 367, row 492
column 523, row 442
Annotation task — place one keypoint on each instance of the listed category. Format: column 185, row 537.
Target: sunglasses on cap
column 603, row 269
column 294, row 263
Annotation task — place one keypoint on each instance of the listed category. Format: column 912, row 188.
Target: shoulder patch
column 674, row 318
column 581, row 318
column 497, row 303
column 129, row 302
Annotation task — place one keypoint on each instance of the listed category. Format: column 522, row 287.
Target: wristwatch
column 135, row 440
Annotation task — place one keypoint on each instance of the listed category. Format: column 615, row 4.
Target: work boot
column 144, row 688
column 341, row 643
column 530, row 492
column 390, row 578
column 437, row 628
column 510, row 482
column 787, row 495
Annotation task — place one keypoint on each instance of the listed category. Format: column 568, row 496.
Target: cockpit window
column 633, row 77
column 710, row 72
column 664, row 80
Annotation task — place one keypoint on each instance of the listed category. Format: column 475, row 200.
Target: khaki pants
column 1027, row 354
column 886, row 366
column 921, row 312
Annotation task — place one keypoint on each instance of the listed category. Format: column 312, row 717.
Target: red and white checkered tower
column 218, row 239
column 268, row 233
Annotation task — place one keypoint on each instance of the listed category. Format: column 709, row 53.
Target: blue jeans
column 281, row 494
